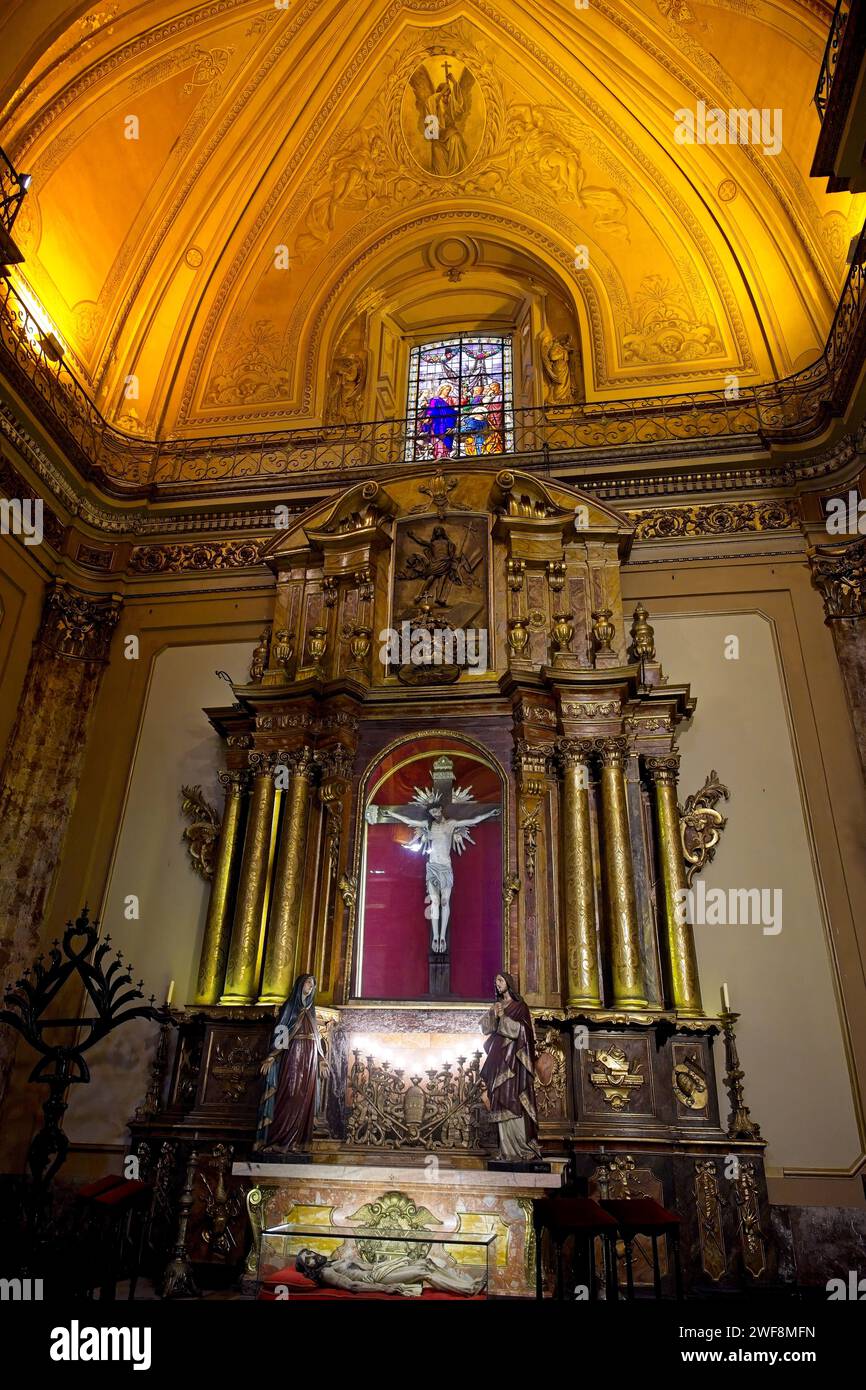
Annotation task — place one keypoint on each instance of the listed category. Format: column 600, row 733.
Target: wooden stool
column 581, row 1219
column 643, row 1216
column 115, row 1211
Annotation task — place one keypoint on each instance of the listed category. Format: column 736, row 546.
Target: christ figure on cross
column 437, row 838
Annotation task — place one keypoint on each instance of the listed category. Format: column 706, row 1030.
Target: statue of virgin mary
column 291, row 1069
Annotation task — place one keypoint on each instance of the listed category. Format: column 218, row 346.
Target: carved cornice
column 78, row 626
column 590, row 709
column 199, row 555
column 329, row 722
column 713, row 519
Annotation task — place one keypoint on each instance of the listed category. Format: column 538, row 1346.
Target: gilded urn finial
column 643, row 640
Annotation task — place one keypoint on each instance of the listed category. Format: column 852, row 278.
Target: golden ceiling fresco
column 236, row 207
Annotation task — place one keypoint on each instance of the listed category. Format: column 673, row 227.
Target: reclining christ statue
column 437, row 838
column 404, row 1274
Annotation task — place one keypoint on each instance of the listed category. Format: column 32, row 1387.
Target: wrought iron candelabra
column 108, row 986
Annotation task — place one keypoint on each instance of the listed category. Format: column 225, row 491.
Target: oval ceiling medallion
column 453, row 255
column 443, row 115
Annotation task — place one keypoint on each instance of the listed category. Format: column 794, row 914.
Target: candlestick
column 740, row 1123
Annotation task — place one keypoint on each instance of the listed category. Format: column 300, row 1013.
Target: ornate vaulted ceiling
column 268, row 136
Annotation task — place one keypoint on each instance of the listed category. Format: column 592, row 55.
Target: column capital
column 614, row 751
column 664, row 769
column 76, row 625
column 839, row 574
column 531, row 762
column 303, row 762
column 574, row 752
column 233, row 780
column 335, row 762
column 267, row 762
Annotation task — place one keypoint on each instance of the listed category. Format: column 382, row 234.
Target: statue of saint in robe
column 508, row 1073
column 291, row 1069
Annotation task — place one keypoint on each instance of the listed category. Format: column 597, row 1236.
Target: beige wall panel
column 790, row 1035
column 176, row 745
column 805, row 1041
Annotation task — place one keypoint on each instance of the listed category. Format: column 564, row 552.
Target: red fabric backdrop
column 396, row 933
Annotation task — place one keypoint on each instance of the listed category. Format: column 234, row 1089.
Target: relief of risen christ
column 436, row 839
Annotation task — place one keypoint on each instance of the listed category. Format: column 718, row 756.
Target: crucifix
column 441, row 819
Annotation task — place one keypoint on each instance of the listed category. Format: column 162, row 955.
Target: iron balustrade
column 793, row 408
column 831, row 56
column 13, row 187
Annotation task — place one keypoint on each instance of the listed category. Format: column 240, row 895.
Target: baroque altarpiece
column 549, row 742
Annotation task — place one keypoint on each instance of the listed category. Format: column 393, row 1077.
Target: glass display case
column 328, row 1262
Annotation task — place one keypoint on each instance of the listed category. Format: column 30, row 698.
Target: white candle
column 170, row 995
column 726, row 1000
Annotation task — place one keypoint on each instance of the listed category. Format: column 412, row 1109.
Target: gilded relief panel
column 441, row 562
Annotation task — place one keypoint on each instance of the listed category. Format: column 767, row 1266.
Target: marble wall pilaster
column 839, row 573
column 42, row 768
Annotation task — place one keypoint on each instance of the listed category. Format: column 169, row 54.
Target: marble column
column 218, row 927
column 42, row 768
column 629, row 991
column 684, row 991
column 839, row 573
column 288, row 889
column 578, row 878
column 241, row 983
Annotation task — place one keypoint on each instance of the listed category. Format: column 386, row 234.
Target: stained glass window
column 460, row 401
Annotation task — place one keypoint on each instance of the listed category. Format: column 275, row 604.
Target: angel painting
column 444, row 107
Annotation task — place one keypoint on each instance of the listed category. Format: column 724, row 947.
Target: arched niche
column 392, row 956
column 483, row 283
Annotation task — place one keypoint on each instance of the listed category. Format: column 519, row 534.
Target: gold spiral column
column 218, row 927
column 241, row 981
column 578, row 879
column 684, row 986
column 288, row 889
column 627, row 976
